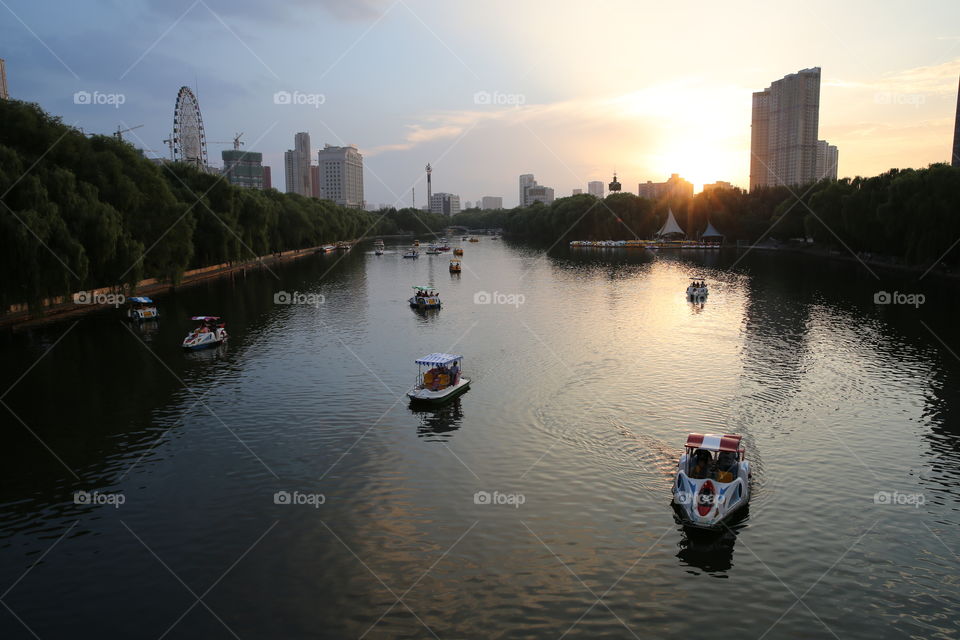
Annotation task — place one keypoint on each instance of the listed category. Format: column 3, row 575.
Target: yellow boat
column 454, row 265
column 474, row 240
column 458, row 251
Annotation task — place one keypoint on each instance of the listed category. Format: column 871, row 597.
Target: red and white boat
column 712, row 484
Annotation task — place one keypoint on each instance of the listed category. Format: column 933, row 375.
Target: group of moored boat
column 645, row 244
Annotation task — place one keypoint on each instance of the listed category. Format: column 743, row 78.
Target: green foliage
column 912, row 215
column 82, row 212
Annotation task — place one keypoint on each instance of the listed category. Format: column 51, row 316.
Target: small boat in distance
column 142, row 308
column 425, row 298
column 472, row 239
column 441, row 381
column 464, row 238
column 697, row 290
column 411, row 253
column 433, row 250
column 211, row 332
column 713, row 480
column 416, row 243
column 455, row 265
column 458, row 251
column 378, row 251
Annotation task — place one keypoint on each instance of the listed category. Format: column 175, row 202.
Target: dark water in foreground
column 583, row 392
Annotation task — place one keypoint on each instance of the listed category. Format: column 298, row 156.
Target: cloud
column 939, row 79
column 277, row 12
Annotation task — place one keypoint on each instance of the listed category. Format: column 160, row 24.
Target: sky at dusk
column 486, row 91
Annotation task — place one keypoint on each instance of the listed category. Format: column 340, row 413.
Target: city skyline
column 882, row 106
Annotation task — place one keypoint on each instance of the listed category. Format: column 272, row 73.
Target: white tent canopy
column 670, row 226
column 711, row 231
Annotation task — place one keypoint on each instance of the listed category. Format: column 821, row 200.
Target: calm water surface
column 588, row 370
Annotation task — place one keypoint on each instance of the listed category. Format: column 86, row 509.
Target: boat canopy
column 670, row 226
column 439, row 359
column 423, row 288
column 714, row 442
column 204, row 318
column 711, row 232
column 140, row 300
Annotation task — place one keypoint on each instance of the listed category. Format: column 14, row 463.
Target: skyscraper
column 595, row 188
column 956, row 134
column 827, row 158
column 296, row 164
column 267, row 178
column 784, row 129
column 341, row 175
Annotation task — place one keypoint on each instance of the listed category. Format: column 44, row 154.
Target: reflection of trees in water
column 438, row 423
column 710, row 551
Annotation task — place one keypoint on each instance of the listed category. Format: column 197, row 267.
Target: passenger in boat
column 701, row 464
column 726, row 466
column 454, row 373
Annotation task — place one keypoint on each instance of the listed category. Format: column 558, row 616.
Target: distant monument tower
column 614, row 187
column 956, row 135
column 429, row 186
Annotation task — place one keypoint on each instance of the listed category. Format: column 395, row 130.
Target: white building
column 526, row 180
column 531, row 192
column 827, row 158
column 595, row 188
column 341, row 175
column 296, row 166
column 491, row 202
column 539, row 193
column 577, row 192
column 446, row 204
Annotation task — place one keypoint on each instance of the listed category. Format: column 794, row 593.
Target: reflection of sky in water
column 581, row 399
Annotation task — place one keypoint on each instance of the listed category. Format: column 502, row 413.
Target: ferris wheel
column 189, row 142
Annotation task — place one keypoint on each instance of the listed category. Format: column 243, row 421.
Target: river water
column 282, row 487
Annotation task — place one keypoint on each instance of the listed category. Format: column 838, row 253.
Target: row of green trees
column 911, row 215
column 79, row 212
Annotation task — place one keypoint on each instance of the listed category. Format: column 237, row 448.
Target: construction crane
column 169, row 143
column 118, row 134
column 235, row 142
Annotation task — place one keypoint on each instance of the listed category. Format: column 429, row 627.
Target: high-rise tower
column 429, row 186
column 785, row 128
column 956, row 134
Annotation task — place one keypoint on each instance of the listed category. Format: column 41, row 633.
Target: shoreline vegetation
column 90, row 213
